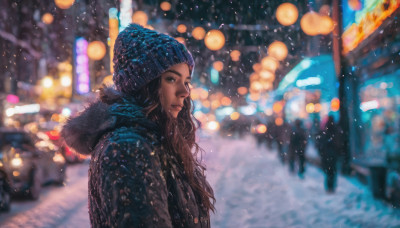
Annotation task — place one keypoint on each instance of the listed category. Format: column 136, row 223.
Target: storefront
column 309, row 90
column 371, row 47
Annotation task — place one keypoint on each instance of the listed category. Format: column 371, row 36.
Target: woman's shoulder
column 128, row 141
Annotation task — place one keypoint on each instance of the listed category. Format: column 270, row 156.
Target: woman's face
column 174, row 88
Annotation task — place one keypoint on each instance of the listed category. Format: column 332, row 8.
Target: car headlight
column 16, row 162
column 58, row 158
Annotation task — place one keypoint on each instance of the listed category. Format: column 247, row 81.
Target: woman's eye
column 170, row 79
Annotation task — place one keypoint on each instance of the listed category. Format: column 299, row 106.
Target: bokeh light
column 64, row 4
column 287, row 14
column 214, row 40
column 218, row 66
column 96, row 50
column 165, row 6
column 140, row 17
column 198, row 33
column 181, row 28
column 47, row 18
column 278, row 50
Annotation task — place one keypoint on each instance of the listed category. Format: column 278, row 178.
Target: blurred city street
column 296, row 104
column 253, row 189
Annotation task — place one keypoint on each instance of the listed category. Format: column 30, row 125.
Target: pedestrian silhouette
column 297, row 146
column 328, row 144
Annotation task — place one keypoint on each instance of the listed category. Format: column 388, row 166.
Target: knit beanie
column 141, row 55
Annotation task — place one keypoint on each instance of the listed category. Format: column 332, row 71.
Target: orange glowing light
column 165, row 6
column 47, row 18
column 287, row 14
column 64, row 4
column 267, row 75
column 214, row 40
column 206, row 104
column 325, row 10
column 242, row 90
column 317, row 107
column 218, row 66
column 225, row 101
column 278, row 121
column 108, row 80
column 256, row 86
column 140, row 17
column 335, row 104
column 326, row 25
column 180, row 40
column 310, row 23
column 215, row 104
column 181, row 28
column 266, row 85
column 96, row 50
column 235, row 55
column 355, row 4
column 198, row 33
column 310, row 108
column 269, row 63
column 277, row 107
column 261, row 129
column 257, row 67
column 254, row 96
column 254, row 77
column 194, row 94
column 235, row 116
column 203, row 94
column 278, row 50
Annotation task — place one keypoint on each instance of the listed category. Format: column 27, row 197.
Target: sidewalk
column 253, row 189
column 312, row 156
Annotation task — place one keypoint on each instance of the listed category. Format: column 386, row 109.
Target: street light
column 96, row 50
column 181, row 28
column 198, row 33
column 287, row 14
column 214, row 40
column 278, row 50
column 140, row 17
column 165, row 6
column 47, row 82
column 64, row 4
column 47, row 18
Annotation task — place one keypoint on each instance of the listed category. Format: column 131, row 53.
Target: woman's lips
column 176, row 107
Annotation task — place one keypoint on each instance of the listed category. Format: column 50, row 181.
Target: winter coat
column 298, row 140
column 133, row 181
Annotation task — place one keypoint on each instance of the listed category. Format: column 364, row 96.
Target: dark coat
column 133, row 181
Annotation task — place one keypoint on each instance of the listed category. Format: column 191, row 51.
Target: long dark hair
column 179, row 137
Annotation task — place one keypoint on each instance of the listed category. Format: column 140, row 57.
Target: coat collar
column 111, row 111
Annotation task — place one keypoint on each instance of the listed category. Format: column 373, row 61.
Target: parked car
column 31, row 162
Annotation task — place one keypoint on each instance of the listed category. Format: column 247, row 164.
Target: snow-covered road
column 64, row 206
column 252, row 189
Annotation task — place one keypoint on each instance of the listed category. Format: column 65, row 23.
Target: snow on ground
column 57, row 206
column 253, row 189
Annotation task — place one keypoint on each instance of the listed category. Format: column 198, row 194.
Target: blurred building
column 371, row 50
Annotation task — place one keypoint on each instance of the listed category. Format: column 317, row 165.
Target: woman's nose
column 183, row 91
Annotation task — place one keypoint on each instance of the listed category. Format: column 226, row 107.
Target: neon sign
column 82, row 66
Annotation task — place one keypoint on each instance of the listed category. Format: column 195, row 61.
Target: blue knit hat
column 141, row 55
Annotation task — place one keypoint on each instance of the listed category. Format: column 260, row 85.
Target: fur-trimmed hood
column 111, row 111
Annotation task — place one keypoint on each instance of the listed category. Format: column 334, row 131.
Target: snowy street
column 252, row 189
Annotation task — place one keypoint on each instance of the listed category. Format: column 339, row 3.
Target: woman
column 140, row 137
